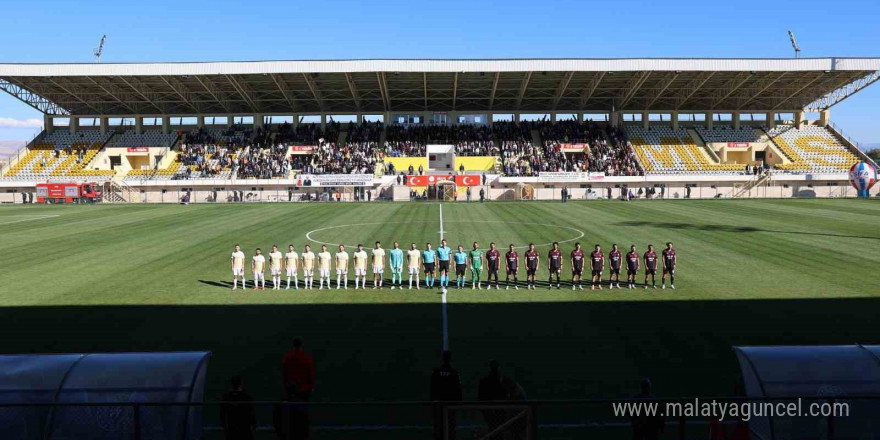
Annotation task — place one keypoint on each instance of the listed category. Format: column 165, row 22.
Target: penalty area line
column 36, row 217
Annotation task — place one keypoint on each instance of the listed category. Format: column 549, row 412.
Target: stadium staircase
column 702, row 143
column 117, row 191
column 536, row 138
column 343, row 135
column 754, row 183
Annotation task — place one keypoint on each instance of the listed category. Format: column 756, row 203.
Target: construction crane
column 794, row 45
column 100, row 49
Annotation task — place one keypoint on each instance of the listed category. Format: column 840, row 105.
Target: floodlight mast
column 100, row 49
column 794, row 45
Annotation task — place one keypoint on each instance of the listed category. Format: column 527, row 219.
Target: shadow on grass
column 363, row 352
column 729, row 228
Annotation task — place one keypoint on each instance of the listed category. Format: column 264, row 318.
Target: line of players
column 431, row 261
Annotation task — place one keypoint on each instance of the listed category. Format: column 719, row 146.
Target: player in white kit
column 378, row 265
column 360, row 267
column 275, row 264
column 412, row 258
column 237, row 265
column 324, row 259
column 308, row 265
column 258, row 267
column 291, row 261
column 341, row 268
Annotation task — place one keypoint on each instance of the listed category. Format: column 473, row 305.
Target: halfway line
column 445, row 316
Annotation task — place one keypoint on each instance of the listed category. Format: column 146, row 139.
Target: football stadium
column 133, row 292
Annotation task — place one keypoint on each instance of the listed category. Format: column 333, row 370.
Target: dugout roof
column 83, row 381
column 384, row 85
column 815, row 373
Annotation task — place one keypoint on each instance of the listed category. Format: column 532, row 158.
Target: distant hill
column 9, row 147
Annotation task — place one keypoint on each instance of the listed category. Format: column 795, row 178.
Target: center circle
column 579, row 233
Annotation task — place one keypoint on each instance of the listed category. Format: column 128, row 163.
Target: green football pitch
column 156, row 278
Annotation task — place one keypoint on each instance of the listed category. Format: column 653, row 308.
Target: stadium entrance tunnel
column 102, row 396
column 814, row 379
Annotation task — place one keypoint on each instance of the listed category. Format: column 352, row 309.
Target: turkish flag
column 471, row 180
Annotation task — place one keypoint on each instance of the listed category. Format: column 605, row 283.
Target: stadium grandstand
column 602, row 127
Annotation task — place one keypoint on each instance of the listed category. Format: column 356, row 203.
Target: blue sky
column 65, row 31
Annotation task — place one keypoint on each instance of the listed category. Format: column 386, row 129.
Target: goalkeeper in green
column 476, row 262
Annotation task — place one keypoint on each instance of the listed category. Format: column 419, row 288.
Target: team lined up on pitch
column 443, row 261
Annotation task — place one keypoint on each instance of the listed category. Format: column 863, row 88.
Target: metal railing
column 526, row 420
column 844, row 135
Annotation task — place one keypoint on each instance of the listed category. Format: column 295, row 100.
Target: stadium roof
column 378, row 86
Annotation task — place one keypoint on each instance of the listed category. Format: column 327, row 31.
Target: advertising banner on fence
column 568, row 176
column 302, row 149
column 335, row 180
column 563, row 176
column 574, row 148
column 465, row 180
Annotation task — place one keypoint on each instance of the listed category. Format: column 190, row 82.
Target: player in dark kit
column 493, row 259
column 577, row 266
column 554, row 261
column 669, row 260
column 632, row 266
column 597, row 258
column 512, row 259
column 650, row 266
column 614, row 260
column 533, row 260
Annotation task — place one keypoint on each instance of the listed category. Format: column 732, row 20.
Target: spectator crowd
column 526, row 148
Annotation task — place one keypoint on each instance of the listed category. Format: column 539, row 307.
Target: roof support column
column 258, row 121
column 770, row 120
column 103, row 122
column 200, row 121
column 324, row 121
column 645, row 120
column 674, row 116
column 360, row 118
column 426, row 118
column 386, row 119
column 230, row 120
column 453, row 118
column 139, row 125
column 825, row 117
column 490, row 119
column 799, row 119
column 580, row 117
column 553, row 117
column 735, row 117
column 166, row 123
column 74, row 124
column 48, row 124
column 709, row 116
column 516, row 117
column 615, row 119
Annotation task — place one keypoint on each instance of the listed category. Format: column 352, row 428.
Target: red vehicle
column 68, row 193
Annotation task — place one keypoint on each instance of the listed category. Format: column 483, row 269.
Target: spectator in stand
column 298, row 370
column 237, row 415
